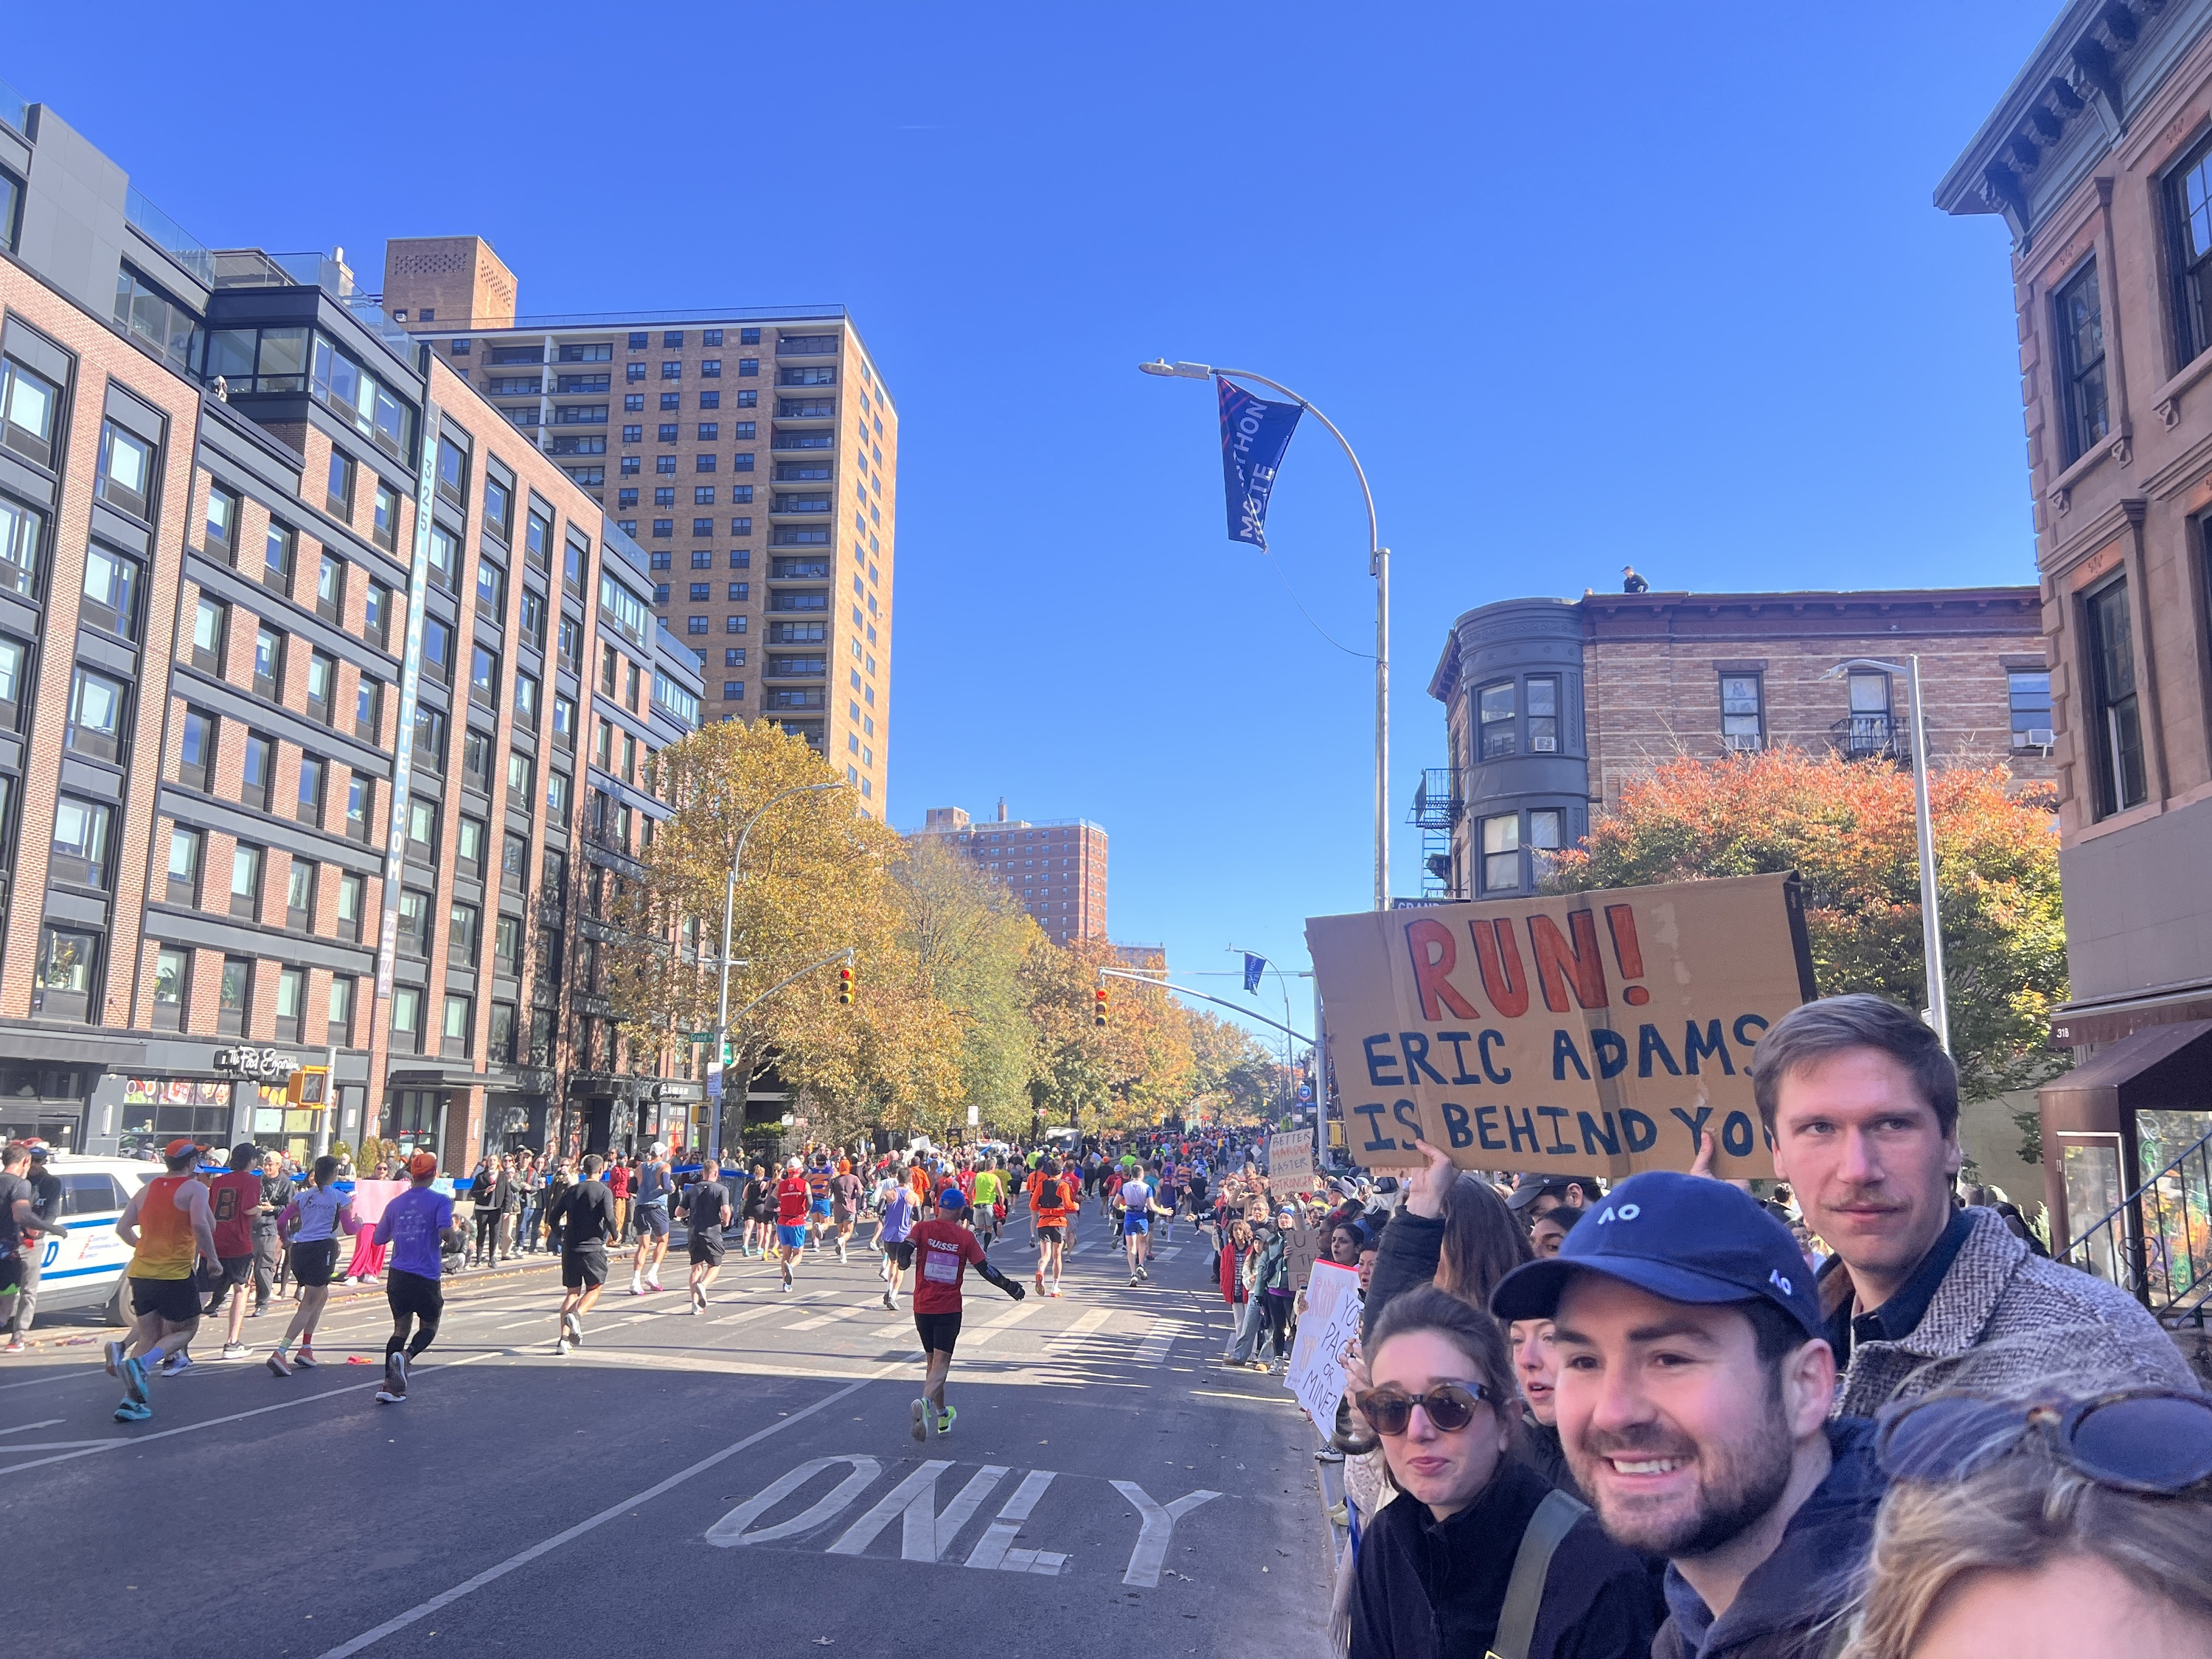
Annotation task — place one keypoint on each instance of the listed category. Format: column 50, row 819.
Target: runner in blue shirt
column 413, row 1226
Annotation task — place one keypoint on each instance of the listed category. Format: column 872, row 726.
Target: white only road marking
column 820, row 1320
column 923, row 1533
column 730, row 1531
column 994, row 1550
column 43, row 1422
column 1152, row 1552
column 523, row 1558
column 1153, row 1350
column 1013, row 1315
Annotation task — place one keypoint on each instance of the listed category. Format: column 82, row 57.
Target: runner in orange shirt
column 164, row 1223
column 1048, row 1205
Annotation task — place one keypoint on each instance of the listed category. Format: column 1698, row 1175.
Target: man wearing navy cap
column 1692, row 1399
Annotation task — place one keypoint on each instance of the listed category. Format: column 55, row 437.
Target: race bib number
column 941, row 1267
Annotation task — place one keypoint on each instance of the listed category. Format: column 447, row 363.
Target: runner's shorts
column 819, row 1209
column 413, row 1293
column 842, row 1215
column 177, row 1300
column 314, row 1260
column 901, row 1251
column 584, row 1269
column 791, row 1238
column 1052, row 1234
column 1135, row 1226
column 939, row 1331
column 707, row 1246
column 238, row 1269
column 653, row 1219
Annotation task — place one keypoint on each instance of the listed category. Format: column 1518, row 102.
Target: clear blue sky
column 1652, row 284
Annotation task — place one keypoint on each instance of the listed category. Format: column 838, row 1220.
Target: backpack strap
column 1555, row 1517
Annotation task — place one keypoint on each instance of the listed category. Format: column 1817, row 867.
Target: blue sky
column 1660, row 286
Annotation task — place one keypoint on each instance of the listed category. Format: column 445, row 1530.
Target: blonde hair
column 2024, row 1511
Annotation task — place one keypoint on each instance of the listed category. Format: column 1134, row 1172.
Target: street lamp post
column 729, row 918
column 1931, row 919
column 1378, row 566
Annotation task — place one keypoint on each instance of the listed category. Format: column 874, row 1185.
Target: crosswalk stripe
column 820, row 1320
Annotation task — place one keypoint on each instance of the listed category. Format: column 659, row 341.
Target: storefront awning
column 76, row 1048
column 2160, row 1066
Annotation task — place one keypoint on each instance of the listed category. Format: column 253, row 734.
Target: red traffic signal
column 845, row 987
column 1098, row 1007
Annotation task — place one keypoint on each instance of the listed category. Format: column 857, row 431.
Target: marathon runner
column 757, row 1204
column 894, row 1229
column 315, row 1216
column 1048, row 1207
column 1167, row 1186
column 586, row 1216
column 943, row 1250
column 793, row 1203
column 19, row 1218
column 653, row 1182
column 1135, row 1200
column 232, row 1199
column 988, row 1185
column 414, row 1225
column 164, row 1223
column 818, row 1205
column 707, row 1212
column 844, row 1203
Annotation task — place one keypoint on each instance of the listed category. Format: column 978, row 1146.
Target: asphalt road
column 745, row 1475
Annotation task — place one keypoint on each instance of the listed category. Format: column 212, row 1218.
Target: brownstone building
column 327, row 700
column 1552, row 706
column 2099, row 158
column 753, row 453
column 1057, row 869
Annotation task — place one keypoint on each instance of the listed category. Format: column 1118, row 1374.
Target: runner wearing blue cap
column 943, row 1250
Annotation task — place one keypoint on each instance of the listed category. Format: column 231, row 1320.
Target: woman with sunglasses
column 1437, row 1566
column 2027, row 1528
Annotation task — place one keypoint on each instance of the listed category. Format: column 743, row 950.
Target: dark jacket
column 1538, row 1448
column 1432, row 1589
column 1405, row 1258
column 1788, row 1604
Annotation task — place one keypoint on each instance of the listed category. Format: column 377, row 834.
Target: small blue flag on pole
column 1253, row 967
column 1255, row 433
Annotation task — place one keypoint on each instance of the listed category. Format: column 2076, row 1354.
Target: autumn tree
column 1137, row 1072
column 1847, row 828
column 1233, row 1075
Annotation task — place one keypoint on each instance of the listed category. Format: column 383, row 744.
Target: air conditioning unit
column 2036, row 737
column 1739, row 741
column 1543, row 745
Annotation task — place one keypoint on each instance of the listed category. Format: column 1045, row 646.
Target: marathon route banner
column 1255, row 433
column 1590, row 1033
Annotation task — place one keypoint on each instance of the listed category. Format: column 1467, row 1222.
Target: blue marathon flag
column 1255, row 433
column 1253, row 967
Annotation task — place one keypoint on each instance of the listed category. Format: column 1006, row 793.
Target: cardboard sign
column 1290, row 1163
column 1591, row 1033
column 370, row 1198
column 1316, row 1374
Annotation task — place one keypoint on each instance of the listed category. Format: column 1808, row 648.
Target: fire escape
column 1436, row 809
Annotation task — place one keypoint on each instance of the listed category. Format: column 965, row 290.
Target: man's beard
column 1747, row 1480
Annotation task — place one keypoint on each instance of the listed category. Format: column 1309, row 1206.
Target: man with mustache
column 1861, row 1104
column 1692, row 1402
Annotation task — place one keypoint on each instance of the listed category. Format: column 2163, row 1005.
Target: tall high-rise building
column 752, row 453
column 1058, row 870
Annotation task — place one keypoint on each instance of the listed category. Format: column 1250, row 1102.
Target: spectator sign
column 1316, row 1374
column 1290, row 1163
column 1589, row 1032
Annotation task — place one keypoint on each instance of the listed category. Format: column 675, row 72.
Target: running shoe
column 133, row 1411
column 1145, row 1274
column 305, row 1357
column 176, row 1364
column 637, row 1285
column 15, row 1345
column 572, row 1323
column 278, row 1365
column 234, row 1350
column 654, row 1283
column 890, row 1306
column 115, row 1352
column 922, row 1418
column 395, row 1379
column 785, row 1284
column 133, row 1373
column 945, row 1422
column 562, row 1346
column 1132, row 1279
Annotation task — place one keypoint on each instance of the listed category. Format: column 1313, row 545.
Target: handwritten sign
column 1594, row 1032
column 1290, row 1163
column 370, row 1198
column 1316, row 1374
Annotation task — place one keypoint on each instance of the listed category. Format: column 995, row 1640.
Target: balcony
column 820, row 438
column 824, row 375
column 1871, row 737
column 810, row 504
column 798, row 667
column 802, row 570
column 806, row 409
column 806, row 345
column 809, row 600
column 800, row 697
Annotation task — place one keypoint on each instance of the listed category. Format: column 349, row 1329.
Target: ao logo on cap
column 1623, row 1212
column 1774, row 1277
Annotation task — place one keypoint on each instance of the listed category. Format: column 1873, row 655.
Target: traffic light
column 1099, row 1007
column 845, row 987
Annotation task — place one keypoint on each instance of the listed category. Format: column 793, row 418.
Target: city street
column 747, row 1475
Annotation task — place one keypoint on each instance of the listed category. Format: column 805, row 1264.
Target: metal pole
column 1931, row 920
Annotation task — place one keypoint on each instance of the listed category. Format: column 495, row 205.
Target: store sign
column 254, row 1062
column 1601, row 1031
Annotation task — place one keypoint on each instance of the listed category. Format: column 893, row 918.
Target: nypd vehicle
column 85, row 1269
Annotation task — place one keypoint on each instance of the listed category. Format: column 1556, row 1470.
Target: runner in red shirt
column 943, row 1250
column 794, row 1197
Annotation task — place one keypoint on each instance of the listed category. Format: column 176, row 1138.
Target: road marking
column 1013, row 1315
column 730, row 1531
column 1168, row 1253
column 523, row 1558
column 1153, row 1350
column 1085, row 1325
column 831, row 1318
column 994, row 1550
column 43, row 1422
column 923, row 1533
column 1152, row 1551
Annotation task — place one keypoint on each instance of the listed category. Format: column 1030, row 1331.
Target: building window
column 186, row 849
column 196, row 753
column 1495, row 711
column 483, row 678
column 1743, row 711
column 2028, row 690
column 361, row 810
column 352, row 890
column 2081, row 319
column 376, row 616
column 172, row 972
column 2117, row 735
column 1543, row 713
column 61, row 985
column 291, row 1005
column 513, row 864
column 337, row 487
column 665, row 465
column 257, row 771
column 338, row 1032
column 368, row 711
column 407, row 1019
column 461, row 921
column 2189, row 214
column 469, row 848
column 300, row 896
column 733, row 690
column 126, row 471
column 384, row 529
column 311, row 773
column 22, row 530
column 30, row 409
column 234, row 998
column 1867, row 729
column 245, row 864
column 95, row 715
column 1501, row 854
column 111, row 591
column 414, row 923
column 694, row 624
column 80, row 854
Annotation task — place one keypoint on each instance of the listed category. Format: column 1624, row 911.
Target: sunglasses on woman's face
column 1450, row 1406
column 2144, row 1440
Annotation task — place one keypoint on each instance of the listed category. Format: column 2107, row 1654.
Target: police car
column 85, row 1269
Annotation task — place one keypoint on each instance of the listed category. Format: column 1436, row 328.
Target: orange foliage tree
column 1846, row 828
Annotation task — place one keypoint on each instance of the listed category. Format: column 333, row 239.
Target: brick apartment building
column 327, row 700
column 753, row 453
column 2099, row 159
column 1552, row 706
column 1058, row 869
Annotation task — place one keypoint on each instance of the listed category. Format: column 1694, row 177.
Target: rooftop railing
column 165, row 233
column 15, row 109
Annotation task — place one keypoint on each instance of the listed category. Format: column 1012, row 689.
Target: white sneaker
column 176, row 1364
column 637, row 1285
column 922, row 1416
column 234, row 1350
column 654, row 1282
column 561, row 1346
